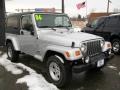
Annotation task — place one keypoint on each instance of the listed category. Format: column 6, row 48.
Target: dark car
column 109, row 28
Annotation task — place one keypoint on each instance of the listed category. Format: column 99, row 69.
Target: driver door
column 27, row 36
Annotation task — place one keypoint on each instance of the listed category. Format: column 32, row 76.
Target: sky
column 70, row 5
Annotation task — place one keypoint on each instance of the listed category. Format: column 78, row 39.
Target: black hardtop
column 24, row 13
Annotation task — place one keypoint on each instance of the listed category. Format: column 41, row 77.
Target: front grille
column 93, row 48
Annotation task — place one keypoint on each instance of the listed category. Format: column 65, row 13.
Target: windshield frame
column 59, row 14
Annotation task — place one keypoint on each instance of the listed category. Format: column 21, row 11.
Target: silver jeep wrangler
column 50, row 38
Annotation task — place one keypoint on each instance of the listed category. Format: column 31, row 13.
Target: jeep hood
column 65, row 37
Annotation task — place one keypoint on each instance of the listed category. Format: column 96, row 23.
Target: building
column 93, row 16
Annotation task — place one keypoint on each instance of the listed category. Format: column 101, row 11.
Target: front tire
column 58, row 73
column 11, row 53
column 116, row 46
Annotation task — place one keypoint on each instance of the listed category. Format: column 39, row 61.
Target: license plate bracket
column 97, row 57
column 100, row 63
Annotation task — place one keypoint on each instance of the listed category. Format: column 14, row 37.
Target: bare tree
column 116, row 10
column 93, row 10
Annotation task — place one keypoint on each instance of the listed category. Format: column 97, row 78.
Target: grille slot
column 93, row 48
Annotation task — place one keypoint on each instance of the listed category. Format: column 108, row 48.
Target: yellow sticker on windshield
column 38, row 17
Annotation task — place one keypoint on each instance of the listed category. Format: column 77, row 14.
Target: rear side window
column 12, row 22
column 12, row 25
column 119, row 21
column 112, row 21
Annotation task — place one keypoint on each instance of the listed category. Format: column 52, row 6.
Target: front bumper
column 77, row 68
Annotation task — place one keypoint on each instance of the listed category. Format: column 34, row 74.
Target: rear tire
column 11, row 53
column 116, row 46
column 58, row 73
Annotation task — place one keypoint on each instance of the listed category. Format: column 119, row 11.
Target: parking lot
column 107, row 79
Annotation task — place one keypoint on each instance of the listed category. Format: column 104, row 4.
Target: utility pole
column 63, row 7
column 108, row 4
column 2, row 22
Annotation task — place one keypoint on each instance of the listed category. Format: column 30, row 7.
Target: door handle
column 22, row 33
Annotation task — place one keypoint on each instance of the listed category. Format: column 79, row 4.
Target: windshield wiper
column 44, row 26
column 67, row 27
column 59, row 26
column 47, row 27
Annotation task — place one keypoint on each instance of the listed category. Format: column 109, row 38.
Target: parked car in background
column 109, row 28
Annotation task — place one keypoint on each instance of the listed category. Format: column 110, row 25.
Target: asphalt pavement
column 106, row 79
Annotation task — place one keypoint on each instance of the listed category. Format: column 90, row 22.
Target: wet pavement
column 106, row 79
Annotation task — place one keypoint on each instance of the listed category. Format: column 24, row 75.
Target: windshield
column 52, row 20
column 94, row 23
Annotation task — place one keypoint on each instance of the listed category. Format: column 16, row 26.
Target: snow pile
column 34, row 81
column 112, row 67
column 9, row 66
column 77, row 29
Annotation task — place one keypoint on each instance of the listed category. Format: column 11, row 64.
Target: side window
column 12, row 22
column 98, row 22
column 26, row 23
column 101, row 20
column 112, row 21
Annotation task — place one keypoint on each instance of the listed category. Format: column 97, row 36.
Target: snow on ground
column 9, row 66
column 34, row 80
column 112, row 67
column 119, row 73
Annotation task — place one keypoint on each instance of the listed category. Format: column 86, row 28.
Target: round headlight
column 102, row 42
column 83, row 48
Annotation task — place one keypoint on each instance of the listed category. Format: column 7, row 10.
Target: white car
column 50, row 38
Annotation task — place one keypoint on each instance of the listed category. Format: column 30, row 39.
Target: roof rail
column 114, row 14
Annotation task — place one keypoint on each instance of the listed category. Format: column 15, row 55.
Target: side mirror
column 88, row 25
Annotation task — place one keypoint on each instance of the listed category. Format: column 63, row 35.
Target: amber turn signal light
column 109, row 45
column 67, row 54
column 77, row 53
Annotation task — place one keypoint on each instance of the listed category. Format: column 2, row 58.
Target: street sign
column 2, row 23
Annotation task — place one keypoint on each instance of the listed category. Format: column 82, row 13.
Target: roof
column 94, row 16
